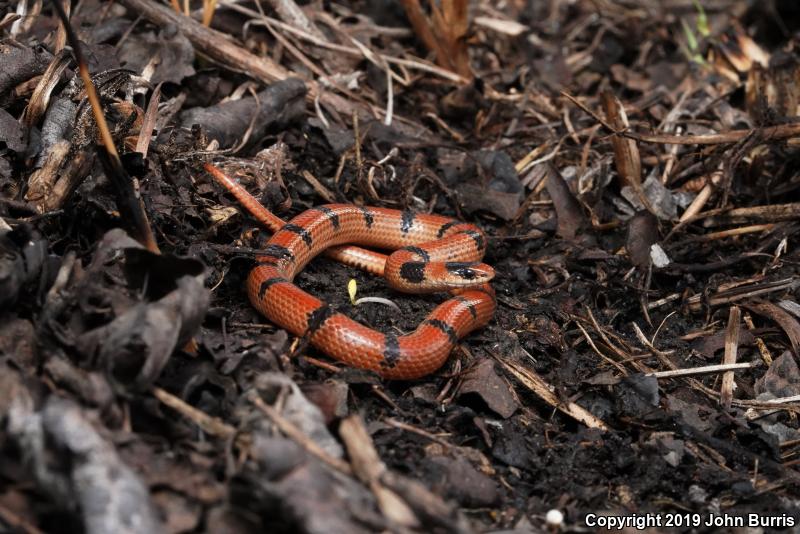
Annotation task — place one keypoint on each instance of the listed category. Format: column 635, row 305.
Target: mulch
column 633, row 164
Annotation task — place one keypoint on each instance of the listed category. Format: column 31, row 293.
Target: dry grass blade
column 60, row 39
column 444, row 33
column 785, row 320
column 732, row 232
column 149, row 122
column 209, row 7
column 451, row 22
column 41, row 95
column 626, row 153
column 731, row 350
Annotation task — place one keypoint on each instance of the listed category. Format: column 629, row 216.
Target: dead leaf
column 12, row 134
column 782, row 379
column 568, row 210
column 482, row 380
column 164, row 57
column 642, row 234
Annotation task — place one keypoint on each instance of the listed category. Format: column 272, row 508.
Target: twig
column 321, row 190
column 702, row 197
column 704, row 370
column 288, row 428
column 772, row 213
column 211, row 425
column 781, row 131
column 369, row 469
column 733, row 232
column 530, row 379
column 728, row 296
column 216, row 45
column 418, row 431
column 17, row 523
column 731, row 349
column 589, row 340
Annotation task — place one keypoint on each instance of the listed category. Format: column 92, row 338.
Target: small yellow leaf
column 352, row 289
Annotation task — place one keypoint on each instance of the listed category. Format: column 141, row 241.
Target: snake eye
column 462, row 269
column 466, row 274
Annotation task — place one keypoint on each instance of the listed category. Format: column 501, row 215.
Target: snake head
column 469, row 273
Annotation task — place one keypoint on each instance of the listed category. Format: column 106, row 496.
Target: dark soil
column 140, row 391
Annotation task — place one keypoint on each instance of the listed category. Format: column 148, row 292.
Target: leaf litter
column 633, row 167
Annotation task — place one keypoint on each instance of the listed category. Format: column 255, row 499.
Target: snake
column 431, row 253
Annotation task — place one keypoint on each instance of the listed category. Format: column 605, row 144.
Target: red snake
column 432, row 253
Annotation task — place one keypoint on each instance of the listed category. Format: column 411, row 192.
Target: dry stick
column 319, row 187
column 627, row 159
column 766, row 356
column 771, row 213
column 704, row 370
column 209, row 424
column 730, row 233
column 702, row 197
column 728, row 296
column 731, row 349
column 17, row 523
column 128, row 201
column 530, row 379
column 369, row 469
column 424, row 32
column 660, row 354
column 293, row 432
column 781, row 131
column 214, row 44
column 209, row 7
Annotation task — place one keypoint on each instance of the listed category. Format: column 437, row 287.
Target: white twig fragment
column 704, row 370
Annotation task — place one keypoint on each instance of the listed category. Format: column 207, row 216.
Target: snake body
column 431, row 253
